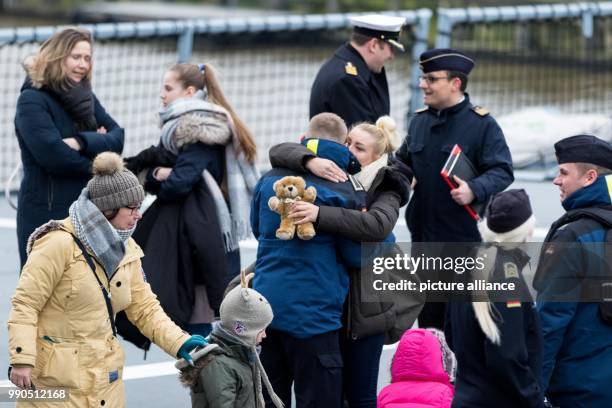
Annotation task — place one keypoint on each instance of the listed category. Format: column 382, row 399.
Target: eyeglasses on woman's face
column 134, row 208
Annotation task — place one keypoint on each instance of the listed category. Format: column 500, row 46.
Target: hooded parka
column 419, row 377
column 59, row 322
column 223, row 378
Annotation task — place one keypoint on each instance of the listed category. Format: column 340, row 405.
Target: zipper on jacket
column 50, row 193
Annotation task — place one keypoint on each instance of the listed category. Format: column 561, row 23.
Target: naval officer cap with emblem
column 383, row 27
column 445, row 59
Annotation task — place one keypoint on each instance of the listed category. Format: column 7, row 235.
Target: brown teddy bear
column 288, row 190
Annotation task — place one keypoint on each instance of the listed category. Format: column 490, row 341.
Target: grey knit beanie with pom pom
column 113, row 186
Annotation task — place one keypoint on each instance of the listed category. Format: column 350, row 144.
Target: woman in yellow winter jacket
column 61, row 324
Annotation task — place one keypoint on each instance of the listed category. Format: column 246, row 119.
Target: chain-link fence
column 544, row 71
column 266, row 68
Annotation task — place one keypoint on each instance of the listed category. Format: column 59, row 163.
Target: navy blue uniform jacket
column 432, row 214
column 306, row 282
column 358, row 95
column 53, row 173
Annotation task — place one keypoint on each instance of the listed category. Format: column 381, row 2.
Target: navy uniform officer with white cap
column 436, row 213
column 352, row 83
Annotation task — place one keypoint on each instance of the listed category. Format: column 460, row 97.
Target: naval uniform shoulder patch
column 350, row 69
column 480, row 110
column 423, row 109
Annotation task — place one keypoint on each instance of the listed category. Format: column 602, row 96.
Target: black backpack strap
column 107, row 296
column 601, row 216
column 597, row 214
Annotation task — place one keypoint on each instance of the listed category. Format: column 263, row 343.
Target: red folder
column 458, row 164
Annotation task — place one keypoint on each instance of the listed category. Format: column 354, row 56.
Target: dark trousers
column 313, row 364
column 361, row 361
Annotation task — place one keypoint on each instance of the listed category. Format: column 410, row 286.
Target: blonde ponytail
column 389, row 130
column 215, row 95
column 483, row 312
column 384, row 133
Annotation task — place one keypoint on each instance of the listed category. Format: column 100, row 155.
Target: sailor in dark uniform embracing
column 352, row 83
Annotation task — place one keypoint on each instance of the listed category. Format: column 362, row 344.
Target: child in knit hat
column 228, row 372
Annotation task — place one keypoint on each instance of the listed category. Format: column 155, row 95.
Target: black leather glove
column 154, row 156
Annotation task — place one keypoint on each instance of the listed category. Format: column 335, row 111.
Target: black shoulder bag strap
column 107, row 296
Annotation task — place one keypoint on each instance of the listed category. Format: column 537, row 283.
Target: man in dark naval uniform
column 352, row 83
column 436, row 213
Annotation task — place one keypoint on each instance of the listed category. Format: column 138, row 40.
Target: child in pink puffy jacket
column 422, row 372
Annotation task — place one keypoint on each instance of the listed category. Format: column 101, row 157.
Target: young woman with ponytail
column 498, row 344
column 368, row 325
column 202, row 172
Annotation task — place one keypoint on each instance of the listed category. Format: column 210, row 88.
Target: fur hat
column 508, row 218
column 112, row 186
column 245, row 312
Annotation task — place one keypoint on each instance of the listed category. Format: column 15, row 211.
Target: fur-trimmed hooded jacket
column 421, row 373
column 180, row 233
column 201, row 139
column 222, row 378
